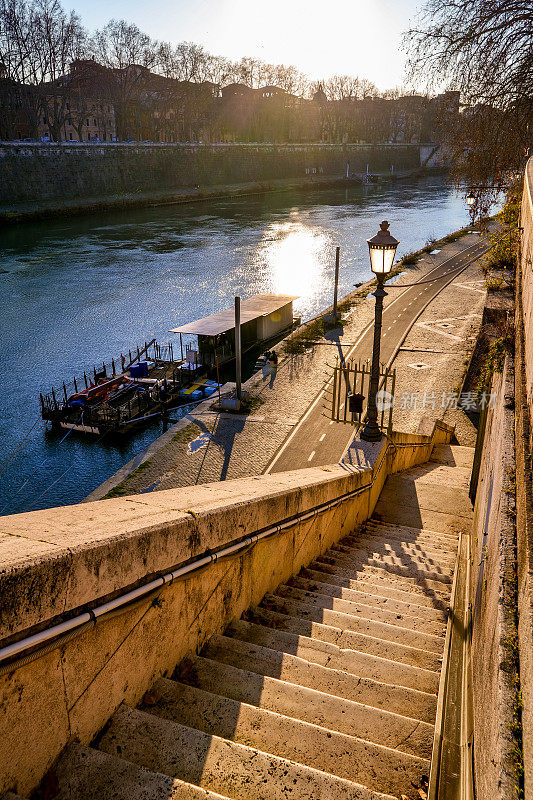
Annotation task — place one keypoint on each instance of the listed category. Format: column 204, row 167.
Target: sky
column 319, row 37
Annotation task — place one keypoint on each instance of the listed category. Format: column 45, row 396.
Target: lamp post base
column 371, row 431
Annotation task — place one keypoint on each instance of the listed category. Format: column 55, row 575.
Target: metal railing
column 347, row 394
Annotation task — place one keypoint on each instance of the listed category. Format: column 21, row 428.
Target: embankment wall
column 524, row 482
column 32, row 173
column 61, row 562
column 493, row 603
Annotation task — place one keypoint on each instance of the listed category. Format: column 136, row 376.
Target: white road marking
column 311, row 456
column 322, row 437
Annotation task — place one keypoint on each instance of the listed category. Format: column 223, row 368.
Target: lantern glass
column 382, row 248
column 381, row 259
column 471, row 198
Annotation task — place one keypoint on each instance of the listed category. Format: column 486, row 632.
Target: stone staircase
column 327, row 690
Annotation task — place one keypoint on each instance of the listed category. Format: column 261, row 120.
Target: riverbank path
column 436, row 321
column 315, row 440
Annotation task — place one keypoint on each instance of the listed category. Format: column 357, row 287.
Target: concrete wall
column 38, row 172
column 493, row 603
column 60, row 561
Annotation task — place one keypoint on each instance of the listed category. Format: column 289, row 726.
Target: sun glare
column 320, row 40
column 292, row 254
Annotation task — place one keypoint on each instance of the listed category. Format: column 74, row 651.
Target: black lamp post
column 382, row 249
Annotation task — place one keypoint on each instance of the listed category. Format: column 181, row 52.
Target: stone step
column 395, row 564
column 417, row 533
column 217, row 764
column 352, row 640
column 331, row 655
column 453, row 455
column 84, row 773
column 379, row 768
column 375, row 537
column 394, row 548
column 380, row 588
column 374, row 628
column 403, row 491
column 439, row 474
column 294, row 669
column 392, row 530
column 399, row 577
column 386, row 603
column 421, row 506
column 309, row 705
column 363, row 610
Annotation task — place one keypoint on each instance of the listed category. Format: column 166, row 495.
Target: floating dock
column 128, row 391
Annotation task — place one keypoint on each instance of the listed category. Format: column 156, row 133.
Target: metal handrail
column 54, row 635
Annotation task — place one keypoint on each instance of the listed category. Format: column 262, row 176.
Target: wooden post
column 65, row 391
column 104, row 370
column 54, row 398
column 95, row 378
column 123, row 362
column 181, row 346
column 238, row 356
column 75, row 386
column 336, row 290
column 113, row 366
column 85, row 379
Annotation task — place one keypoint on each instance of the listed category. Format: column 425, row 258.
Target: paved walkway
column 206, row 446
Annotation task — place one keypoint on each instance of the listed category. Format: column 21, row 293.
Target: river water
column 77, row 291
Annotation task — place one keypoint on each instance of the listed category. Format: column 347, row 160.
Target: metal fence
column 347, row 394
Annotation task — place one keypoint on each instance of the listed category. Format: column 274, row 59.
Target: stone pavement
column 206, row 446
column 432, row 361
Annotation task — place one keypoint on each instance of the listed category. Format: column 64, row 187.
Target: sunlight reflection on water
column 294, row 256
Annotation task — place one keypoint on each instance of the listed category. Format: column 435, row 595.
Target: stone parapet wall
column 63, row 561
column 32, row 173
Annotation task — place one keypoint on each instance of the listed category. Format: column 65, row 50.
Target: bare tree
column 129, row 53
column 484, row 50
column 38, row 40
